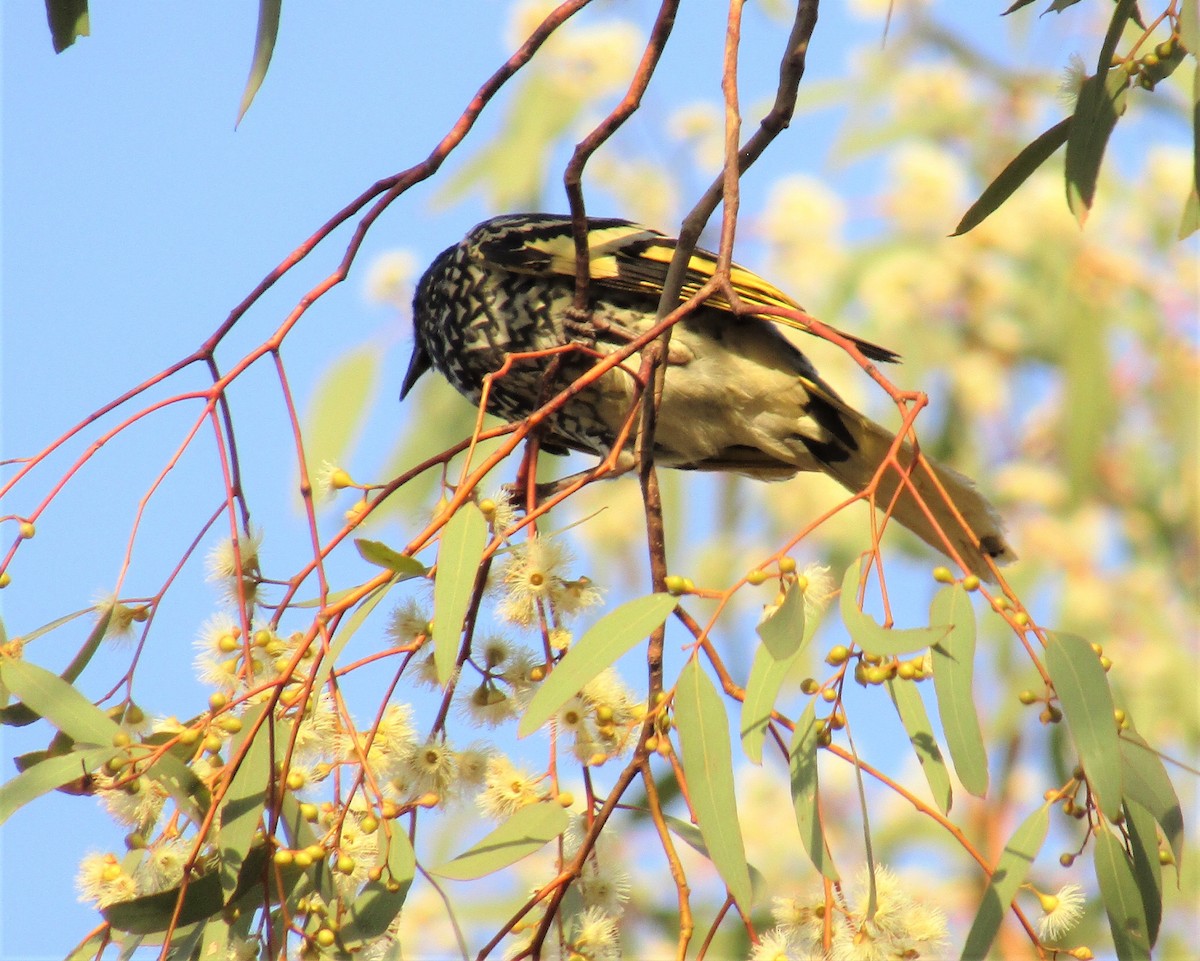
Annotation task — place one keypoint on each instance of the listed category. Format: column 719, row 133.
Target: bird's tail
column 941, row 506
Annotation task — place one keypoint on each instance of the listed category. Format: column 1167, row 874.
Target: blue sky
column 135, row 217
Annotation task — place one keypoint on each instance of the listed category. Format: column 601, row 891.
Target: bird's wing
column 629, row 257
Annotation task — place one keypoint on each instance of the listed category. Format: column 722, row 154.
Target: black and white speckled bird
column 737, row 395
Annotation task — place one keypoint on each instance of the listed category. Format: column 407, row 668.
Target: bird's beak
column 419, row 363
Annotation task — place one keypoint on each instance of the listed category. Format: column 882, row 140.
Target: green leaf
column 782, row 632
column 703, row 728
column 805, row 796
column 1122, row 898
column 180, row 781
column 90, row 949
column 1189, row 223
column 1019, row 169
column 691, row 836
column 1143, row 842
column 1189, row 25
column 870, row 636
column 347, row 631
column 153, row 912
column 1011, row 870
column 1017, row 5
column 528, row 830
column 242, row 806
column 1087, row 705
column 953, row 679
column 1101, row 101
column 68, row 20
column 46, row 775
column 1088, row 404
column 377, row 906
column 762, row 689
column 378, row 553
column 1146, row 782
column 339, row 403
column 19, row 714
column 605, row 641
column 264, row 46
column 906, row 696
column 49, row 696
column 463, row 541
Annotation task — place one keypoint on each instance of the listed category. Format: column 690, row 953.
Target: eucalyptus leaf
column 782, row 631
column 806, row 741
column 1011, row 871
column 528, row 830
column 1087, row 704
column 1019, row 169
column 68, row 21
column 872, row 637
column 953, row 680
column 242, row 805
column 378, row 553
column 1123, row 900
column 1146, row 782
column 906, row 696
column 48, row 774
column 1147, row 871
column 463, row 541
column 601, row 645
column 343, row 395
column 264, row 46
column 703, row 729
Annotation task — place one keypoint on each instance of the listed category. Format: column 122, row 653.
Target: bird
column 737, row 394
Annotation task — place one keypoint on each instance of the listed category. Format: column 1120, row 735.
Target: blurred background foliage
column 1061, row 363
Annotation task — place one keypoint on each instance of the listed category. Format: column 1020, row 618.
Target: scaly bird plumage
column 737, row 394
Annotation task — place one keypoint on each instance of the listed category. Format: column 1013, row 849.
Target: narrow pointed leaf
column 1017, row 5
column 953, row 680
column 1101, row 101
column 782, row 632
column 49, row 696
column 703, row 728
column 605, row 641
column 463, row 540
column 1087, row 705
column 767, row 675
column 376, row 906
column 762, row 688
column 690, row 834
column 1011, row 871
column 1147, row 871
column 906, row 696
column 68, row 21
column 46, row 775
column 264, row 46
column 376, row 552
column 1146, row 782
column 1019, row 169
column 1121, row 897
column 870, row 636
column 340, row 402
column 19, row 714
column 348, row 630
column 528, row 830
column 805, row 793
column 242, row 806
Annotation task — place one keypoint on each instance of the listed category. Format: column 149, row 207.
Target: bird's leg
column 544, row 491
column 579, row 326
